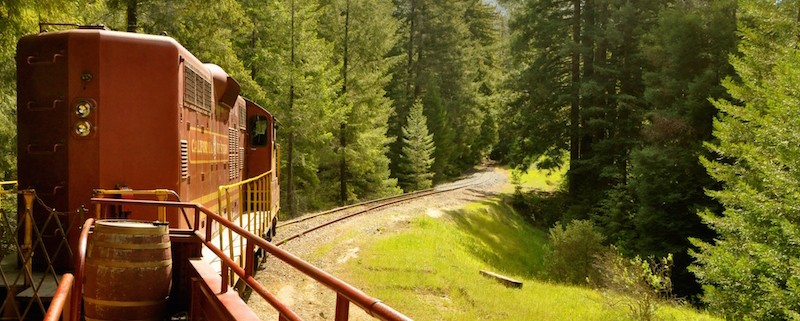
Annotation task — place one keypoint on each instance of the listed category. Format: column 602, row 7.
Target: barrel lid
column 129, row 223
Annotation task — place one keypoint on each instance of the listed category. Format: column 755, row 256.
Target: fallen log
column 504, row 280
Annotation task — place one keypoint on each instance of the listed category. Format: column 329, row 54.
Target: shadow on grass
column 501, row 238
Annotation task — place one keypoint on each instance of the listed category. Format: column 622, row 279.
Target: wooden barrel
column 128, row 271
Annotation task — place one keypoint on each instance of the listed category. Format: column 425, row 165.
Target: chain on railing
column 28, row 288
column 254, row 214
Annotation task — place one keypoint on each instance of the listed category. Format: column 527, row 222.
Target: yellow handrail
column 161, row 195
column 253, row 197
column 3, row 186
column 247, row 181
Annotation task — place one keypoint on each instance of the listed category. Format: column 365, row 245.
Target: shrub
column 639, row 284
column 572, row 252
column 542, row 209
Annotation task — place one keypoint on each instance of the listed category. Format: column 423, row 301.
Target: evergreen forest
column 678, row 121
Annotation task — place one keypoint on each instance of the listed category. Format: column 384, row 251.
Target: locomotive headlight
column 83, row 109
column 83, row 128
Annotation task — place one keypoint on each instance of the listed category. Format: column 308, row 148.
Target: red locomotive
column 110, row 114
column 109, row 110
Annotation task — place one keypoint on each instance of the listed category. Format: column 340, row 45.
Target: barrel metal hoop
column 117, row 303
column 93, row 319
column 132, row 246
column 155, row 230
column 128, row 264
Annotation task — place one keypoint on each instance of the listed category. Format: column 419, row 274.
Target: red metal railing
column 346, row 293
column 59, row 302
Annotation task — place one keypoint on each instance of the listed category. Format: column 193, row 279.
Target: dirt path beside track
column 333, row 246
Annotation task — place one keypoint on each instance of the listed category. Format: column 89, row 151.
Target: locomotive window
column 258, row 131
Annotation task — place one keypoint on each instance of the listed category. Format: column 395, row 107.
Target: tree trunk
column 419, row 16
column 133, row 18
column 290, row 197
column 574, row 114
column 412, row 17
column 343, row 126
column 253, row 52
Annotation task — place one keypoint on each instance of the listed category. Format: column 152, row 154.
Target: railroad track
column 306, row 224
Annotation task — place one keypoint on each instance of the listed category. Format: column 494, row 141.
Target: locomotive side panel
column 84, row 91
column 197, row 130
column 212, row 131
column 139, row 142
column 42, row 118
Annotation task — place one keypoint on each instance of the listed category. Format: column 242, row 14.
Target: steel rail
column 369, row 304
column 345, row 217
column 389, row 201
column 420, row 193
column 346, row 207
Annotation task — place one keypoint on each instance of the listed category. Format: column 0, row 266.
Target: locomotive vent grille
column 242, row 117
column 184, row 159
column 233, row 153
column 241, row 158
column 196, row 90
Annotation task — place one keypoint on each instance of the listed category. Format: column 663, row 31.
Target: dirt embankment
column 331, row 247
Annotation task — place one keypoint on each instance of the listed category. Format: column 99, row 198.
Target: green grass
column 429, row 270
column 538, row 179
column 325, row 247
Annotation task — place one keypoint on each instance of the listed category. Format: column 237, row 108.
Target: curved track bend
column 306, row 224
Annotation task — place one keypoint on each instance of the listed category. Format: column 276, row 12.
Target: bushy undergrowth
column 576, row 255
column 572, row 252
column 542, row 209
column 640, row 285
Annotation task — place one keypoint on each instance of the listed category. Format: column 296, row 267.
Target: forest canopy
column 674, row 118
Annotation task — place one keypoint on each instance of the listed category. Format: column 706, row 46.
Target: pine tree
column 687, row 52
column 363, row 32
column 194, row 24
column 294, row 64
column 541, row 80
column 751, row 270
column 418, row 149
column 451, row 66
column 580, row 90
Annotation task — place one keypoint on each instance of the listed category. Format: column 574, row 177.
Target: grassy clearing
column 536, row 179
column 429, row 271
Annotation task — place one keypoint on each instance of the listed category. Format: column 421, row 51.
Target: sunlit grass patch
column 327, row 247
column 546, row 180
column 430, row 271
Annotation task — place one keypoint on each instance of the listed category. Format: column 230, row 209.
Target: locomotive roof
column 126, row 37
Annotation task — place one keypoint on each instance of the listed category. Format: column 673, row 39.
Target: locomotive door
column 260, row 140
